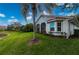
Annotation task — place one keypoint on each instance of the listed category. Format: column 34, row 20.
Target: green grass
column 16, row 43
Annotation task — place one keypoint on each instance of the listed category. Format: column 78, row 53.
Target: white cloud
column 62, row 14
column 12, row 17
column 12, row 20
column 69, row 5
column 71, row 14
column 2, row 15
column 67, row 14
column 45, row 13
column 29, row 17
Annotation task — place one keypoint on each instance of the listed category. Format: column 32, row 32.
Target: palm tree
column 50, row 6
column 25, row 8
column 34, row 11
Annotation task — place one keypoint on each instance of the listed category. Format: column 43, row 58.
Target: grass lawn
column 17, row 43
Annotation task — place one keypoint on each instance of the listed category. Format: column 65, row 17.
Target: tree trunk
column 34, row 26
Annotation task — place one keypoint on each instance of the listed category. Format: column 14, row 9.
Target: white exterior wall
column 66, row 26
column 71, row 29
column 48, row 28
column 55, row 27
column 43, row 19
column 75, row 27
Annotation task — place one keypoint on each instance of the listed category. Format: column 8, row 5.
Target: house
column 3, row 27
column 57, row 25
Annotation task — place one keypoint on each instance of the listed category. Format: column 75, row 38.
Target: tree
column 69, row 6
column 22, row 28
column 34, row 6
column 25, row 10
column 27, row 28
column 15, row 26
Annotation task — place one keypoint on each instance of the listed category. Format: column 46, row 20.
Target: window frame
column 59, row 26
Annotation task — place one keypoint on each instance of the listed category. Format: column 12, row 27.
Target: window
column 58, row 26
column 52, row 28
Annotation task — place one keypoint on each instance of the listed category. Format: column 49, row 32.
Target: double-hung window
column 58, row 26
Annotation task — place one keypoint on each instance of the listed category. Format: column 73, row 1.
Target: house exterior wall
column 71, row 29
column 45, row 19
column 66, row 27
column 75, row 27
column 3, row 27
column 48, row 28
column 42, row 20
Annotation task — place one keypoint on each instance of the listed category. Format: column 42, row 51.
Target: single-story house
column 3, row 27
column 57, row 25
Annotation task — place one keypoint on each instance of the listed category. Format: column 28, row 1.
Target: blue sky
column 58, row 12
column 12, row 12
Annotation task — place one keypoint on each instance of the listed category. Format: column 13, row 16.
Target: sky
column 11, row 12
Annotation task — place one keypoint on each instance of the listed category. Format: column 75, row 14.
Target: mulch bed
column 33, row 42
